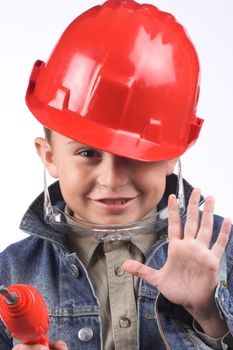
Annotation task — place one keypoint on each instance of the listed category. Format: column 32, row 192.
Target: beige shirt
column 116, row 290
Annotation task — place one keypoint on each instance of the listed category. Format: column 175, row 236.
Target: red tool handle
column 25, row 314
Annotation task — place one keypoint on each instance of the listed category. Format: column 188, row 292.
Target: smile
column 115, row 204
column 119, row 201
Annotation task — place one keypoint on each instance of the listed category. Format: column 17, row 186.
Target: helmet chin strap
column 154, row 221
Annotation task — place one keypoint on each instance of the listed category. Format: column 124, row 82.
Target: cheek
column 153, row 184
column 157, row 188
column 72, row 179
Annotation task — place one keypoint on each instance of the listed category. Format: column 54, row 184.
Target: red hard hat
column 123, row 78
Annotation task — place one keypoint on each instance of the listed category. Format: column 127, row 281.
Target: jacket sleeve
column 224, row 298
column 224, row 290
column 6, row 342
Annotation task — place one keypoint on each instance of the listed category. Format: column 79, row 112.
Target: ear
column 171, row 165
column 45, row 152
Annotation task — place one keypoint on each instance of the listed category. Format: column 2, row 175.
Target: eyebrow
column 76, row 143
column 73, row 142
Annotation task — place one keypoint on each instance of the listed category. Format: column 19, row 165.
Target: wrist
column 210, row 323
column 213, row 328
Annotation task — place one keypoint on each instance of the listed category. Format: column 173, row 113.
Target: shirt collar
column 85, row 244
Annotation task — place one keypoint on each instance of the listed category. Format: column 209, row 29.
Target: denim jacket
column 44, row 261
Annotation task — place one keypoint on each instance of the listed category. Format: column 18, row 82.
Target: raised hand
column 190, row 274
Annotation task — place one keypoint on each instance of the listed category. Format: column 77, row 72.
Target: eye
column 89, row 153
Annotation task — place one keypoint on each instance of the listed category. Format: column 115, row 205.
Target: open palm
column 189, row 276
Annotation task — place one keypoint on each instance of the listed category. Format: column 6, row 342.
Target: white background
column 29, row 31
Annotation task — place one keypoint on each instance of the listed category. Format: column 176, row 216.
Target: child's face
column 101, row 187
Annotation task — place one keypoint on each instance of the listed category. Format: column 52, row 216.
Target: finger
column 222, row 240
column 174, row 223
column 29, row 347
column 58, row 345
column 142, row 271
column 206, row 227
column 192, row 220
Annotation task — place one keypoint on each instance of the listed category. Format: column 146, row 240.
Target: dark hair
column 47, row 134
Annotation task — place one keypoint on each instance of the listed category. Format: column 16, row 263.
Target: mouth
column 114, row 201
column 115, row 204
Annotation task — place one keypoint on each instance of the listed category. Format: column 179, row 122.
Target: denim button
column 85, row 334
column 75, row 270
column 125, row 322
column 223, row 284
column 119, row 271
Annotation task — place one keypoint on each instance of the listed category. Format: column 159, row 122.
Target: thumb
column 142, row 271
column 58, row 345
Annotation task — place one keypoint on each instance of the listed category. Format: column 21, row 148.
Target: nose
column 113, row 172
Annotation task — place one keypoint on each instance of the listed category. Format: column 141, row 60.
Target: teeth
column 115, row 201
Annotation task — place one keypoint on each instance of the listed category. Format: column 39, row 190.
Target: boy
column 118, row 99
